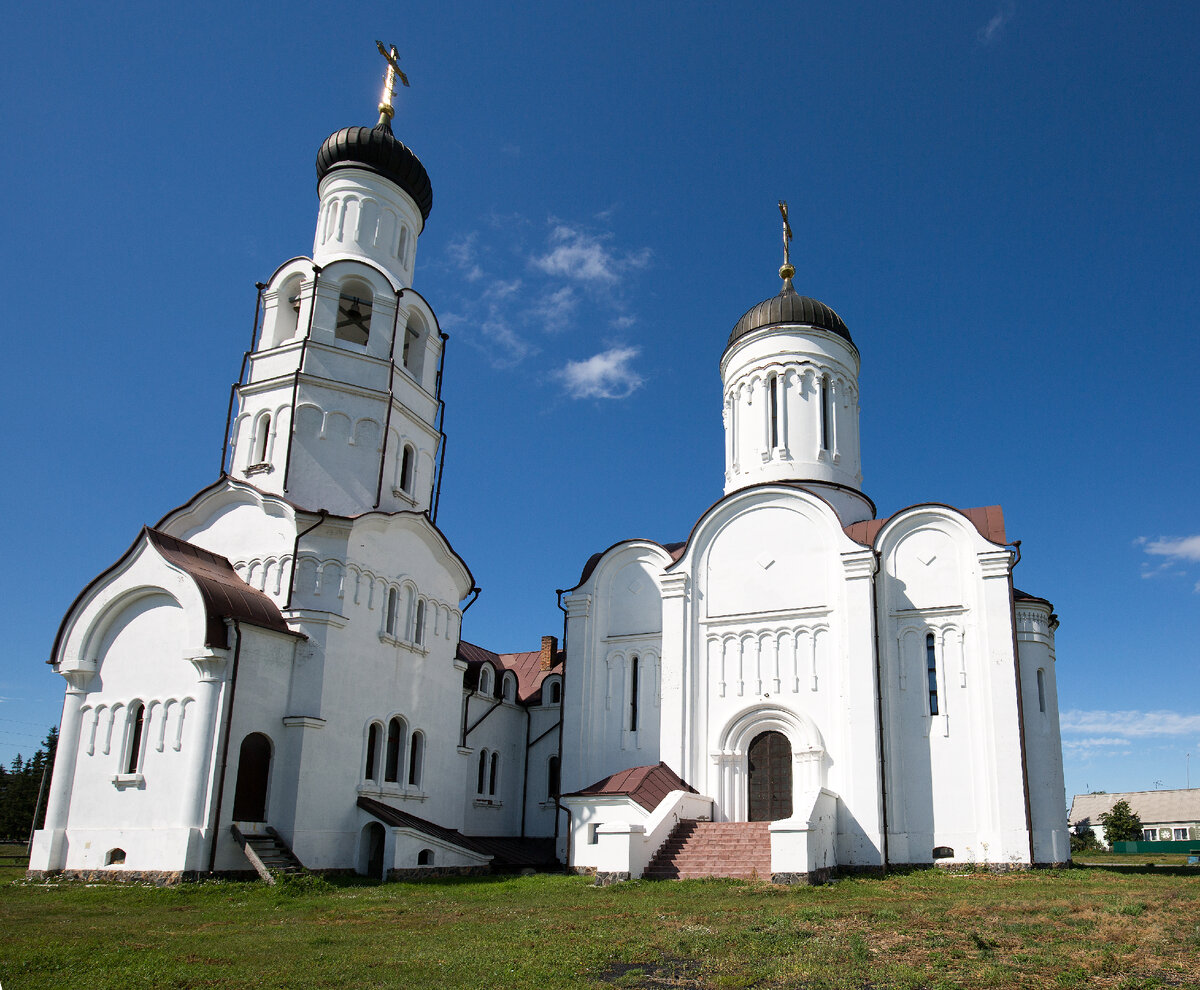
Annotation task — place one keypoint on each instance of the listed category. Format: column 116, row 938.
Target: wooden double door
column 770, row 772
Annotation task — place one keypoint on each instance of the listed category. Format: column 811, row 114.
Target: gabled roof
column 225, row 595
column 402, row 819
column 645, row 785
column 988, row 520
column 1152, row 807
column 527, row 666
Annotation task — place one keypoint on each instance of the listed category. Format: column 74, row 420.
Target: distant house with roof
column 1167, row 816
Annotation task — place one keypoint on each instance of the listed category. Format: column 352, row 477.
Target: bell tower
column 340, row 405
column 790, row 376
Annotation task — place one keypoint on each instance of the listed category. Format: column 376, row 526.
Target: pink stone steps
column 738, row 850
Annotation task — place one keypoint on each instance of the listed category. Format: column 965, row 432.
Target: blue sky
column 1000, row 200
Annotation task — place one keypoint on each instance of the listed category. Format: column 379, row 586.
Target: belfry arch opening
column 354, row 312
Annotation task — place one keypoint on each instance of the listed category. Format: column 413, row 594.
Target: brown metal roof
column 527, row 667
column 225, row 595
column 645, row 785
column 988, row 520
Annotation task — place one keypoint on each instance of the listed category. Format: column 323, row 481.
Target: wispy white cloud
column 1172, row 553
column 1176, row 547
column 1129, row 724
column 463, row 254
column 1106, row 745
column 607, row 375
column 993, row 30
column 580, row 255
column 554, row 308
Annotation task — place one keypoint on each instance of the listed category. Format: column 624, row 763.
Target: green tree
column 1121, row 824
column 20, row 785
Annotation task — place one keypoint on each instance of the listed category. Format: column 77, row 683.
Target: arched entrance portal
column 254, row 773
column 370, row 850
column 769, row 762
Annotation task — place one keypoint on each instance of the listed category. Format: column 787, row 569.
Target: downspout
column 528, row 746
column 883, row 793
column 312, row 310
column 525, row 773
column 216, row 819
column 1012, row 611
column 387, row 422
column 437, row 495
column 562, row 703
column 322, row 515
column 241, row 374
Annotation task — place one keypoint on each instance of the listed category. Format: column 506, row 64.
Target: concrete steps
column 739, row 850
column 270, row 856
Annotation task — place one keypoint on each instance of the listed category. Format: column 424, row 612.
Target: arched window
column 419, row 627
column 485, row 679
column 1041, row 683
column 406, row 470
column 371, row 771
column 555, row 692
column 261, row 437
column 552, row 778
column 481, row 782
column 393, row 601
column 354, row 312
column 493, row 774
column 416, row 758
column 508, row 690
column 395, row 745
column 633, row 693
column 402, row 245
column 931, row 670
column 133, row 745
column 425, row 857
column 826, row 415
column 115, row 857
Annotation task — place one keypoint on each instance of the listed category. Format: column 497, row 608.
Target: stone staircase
column 270, row 856
column 740, row 850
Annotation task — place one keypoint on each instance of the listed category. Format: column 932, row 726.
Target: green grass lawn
column 1093, row 927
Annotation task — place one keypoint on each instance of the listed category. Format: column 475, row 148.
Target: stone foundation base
column 157, row 878
column 812, row 878
column 437, row 872
column 606, row 878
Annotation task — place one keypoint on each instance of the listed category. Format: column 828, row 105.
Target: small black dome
column 790, row 307
column 378, row 150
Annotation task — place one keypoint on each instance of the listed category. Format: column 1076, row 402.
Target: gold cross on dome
column 786, row 271
column 392, row 57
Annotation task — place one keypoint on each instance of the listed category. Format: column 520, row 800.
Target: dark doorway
column 254, row 771
column 371, row 851
column 770, row 766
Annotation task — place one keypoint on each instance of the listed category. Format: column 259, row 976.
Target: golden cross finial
column 389, row 81
column 786, row 271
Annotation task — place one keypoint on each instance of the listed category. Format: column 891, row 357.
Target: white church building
column 274, row 674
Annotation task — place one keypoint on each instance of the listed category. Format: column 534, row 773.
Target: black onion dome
column 380, row 151
column 790, row 307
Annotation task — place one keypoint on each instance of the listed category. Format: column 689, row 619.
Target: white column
column 675, row 717
column 197, row 771
column 59, row 802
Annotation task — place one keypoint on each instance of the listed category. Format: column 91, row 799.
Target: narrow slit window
column 773, row 409
column 552, row 778
column 395, row 740
column 482, row 780
column 493, row 774
column 406, row 470
column 392, row 603
column 826, row 415
column 931, row 668
column 371, row 772
column 555, row 693
column 634, row 664
column 261, row 439
column 419, row 633
column 1041, row 684
column 416, row 757
column 137, row 721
